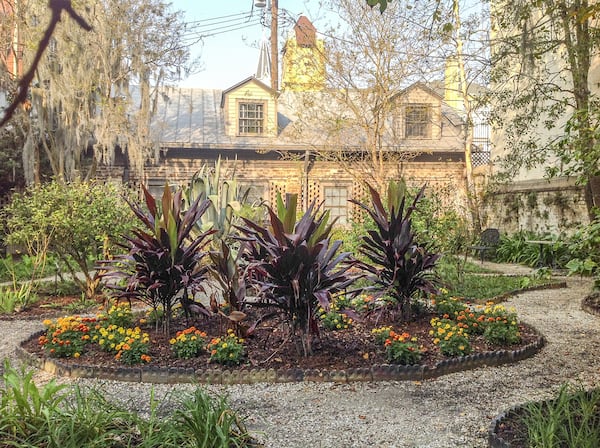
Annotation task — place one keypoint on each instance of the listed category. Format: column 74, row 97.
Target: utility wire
column 218, row 30
column 220, row 22
column 246, row 14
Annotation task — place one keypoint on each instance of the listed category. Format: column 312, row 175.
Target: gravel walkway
column 448, row 412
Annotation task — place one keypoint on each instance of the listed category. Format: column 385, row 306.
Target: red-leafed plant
column 400, row 266
column 163, row 263
column 295, row 266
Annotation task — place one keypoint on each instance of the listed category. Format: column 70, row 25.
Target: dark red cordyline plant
column 400, row 266
column 163, row 263
column 295, row 266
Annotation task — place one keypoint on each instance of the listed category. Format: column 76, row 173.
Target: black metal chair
column 488, row 241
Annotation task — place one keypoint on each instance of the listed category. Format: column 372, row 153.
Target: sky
column 230, row 57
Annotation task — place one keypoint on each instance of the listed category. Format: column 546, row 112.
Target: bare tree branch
column 57, row 7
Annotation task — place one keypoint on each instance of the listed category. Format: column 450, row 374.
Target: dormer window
column 251, row 118
column 417, row 121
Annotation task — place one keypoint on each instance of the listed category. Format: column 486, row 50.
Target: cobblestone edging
column 585, row 306
column 494, row 440
column 384, row 372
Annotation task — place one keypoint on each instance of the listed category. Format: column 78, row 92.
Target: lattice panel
column 274, row 188
column 314, row 192
column 357, row 192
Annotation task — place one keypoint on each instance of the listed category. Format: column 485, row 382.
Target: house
column 531, row 199
column 281, row 144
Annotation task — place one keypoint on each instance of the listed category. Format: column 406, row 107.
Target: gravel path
column 448, row 412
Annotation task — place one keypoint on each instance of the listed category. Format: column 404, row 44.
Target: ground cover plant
column 442, row 327
column 59, row 416
column 479, row 285
column 570, row 419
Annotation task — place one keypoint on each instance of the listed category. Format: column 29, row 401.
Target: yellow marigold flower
column 224, row 345
column 172, row 341
column 436, row 341
column 76, row 355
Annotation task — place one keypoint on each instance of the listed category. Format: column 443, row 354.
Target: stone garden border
column 494, row 440
column 174, row 375
column 585, row 306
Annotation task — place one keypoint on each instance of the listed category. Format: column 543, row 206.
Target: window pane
column 250, row 118
column 417, row 121
column 336, row 201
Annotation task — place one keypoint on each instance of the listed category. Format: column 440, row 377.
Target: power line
column 219, row 30
column 220, row 22
column 247, row 14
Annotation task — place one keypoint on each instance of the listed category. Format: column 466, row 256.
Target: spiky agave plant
column 296, row 266
column 163, row 262
column 400, row 266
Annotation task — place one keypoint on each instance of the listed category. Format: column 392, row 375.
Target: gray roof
column 194, row 118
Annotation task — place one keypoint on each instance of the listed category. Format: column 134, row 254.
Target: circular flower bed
column 447, row 336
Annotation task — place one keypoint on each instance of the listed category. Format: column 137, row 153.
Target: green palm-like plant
column 163, row 263
column 295, row 266
column 400, row 267
column 226, row 198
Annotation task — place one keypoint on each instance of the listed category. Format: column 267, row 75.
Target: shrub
column 450, row 337
column 119, row 314
column 78, row 222
column 401, row 348
column 228, row 350
column 66, row 337
column 381, row 334
column 163, row 261
column 450, row 306
column 584, row 250
column 295, row 266
column 501, row 325
column 399, row 266
column 502, row 332
column 334, row 319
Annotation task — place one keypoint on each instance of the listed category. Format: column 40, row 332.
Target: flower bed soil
column 270, row 348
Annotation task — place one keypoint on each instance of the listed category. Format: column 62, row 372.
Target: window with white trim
column 336, row 201
column 251, row 118
column 417, row 121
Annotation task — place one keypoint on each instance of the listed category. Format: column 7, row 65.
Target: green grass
column 469, row 281
column 571, row 419
column 479, row 287
column 56, row 416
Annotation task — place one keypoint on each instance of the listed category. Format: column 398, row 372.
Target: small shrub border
column 174, row 375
